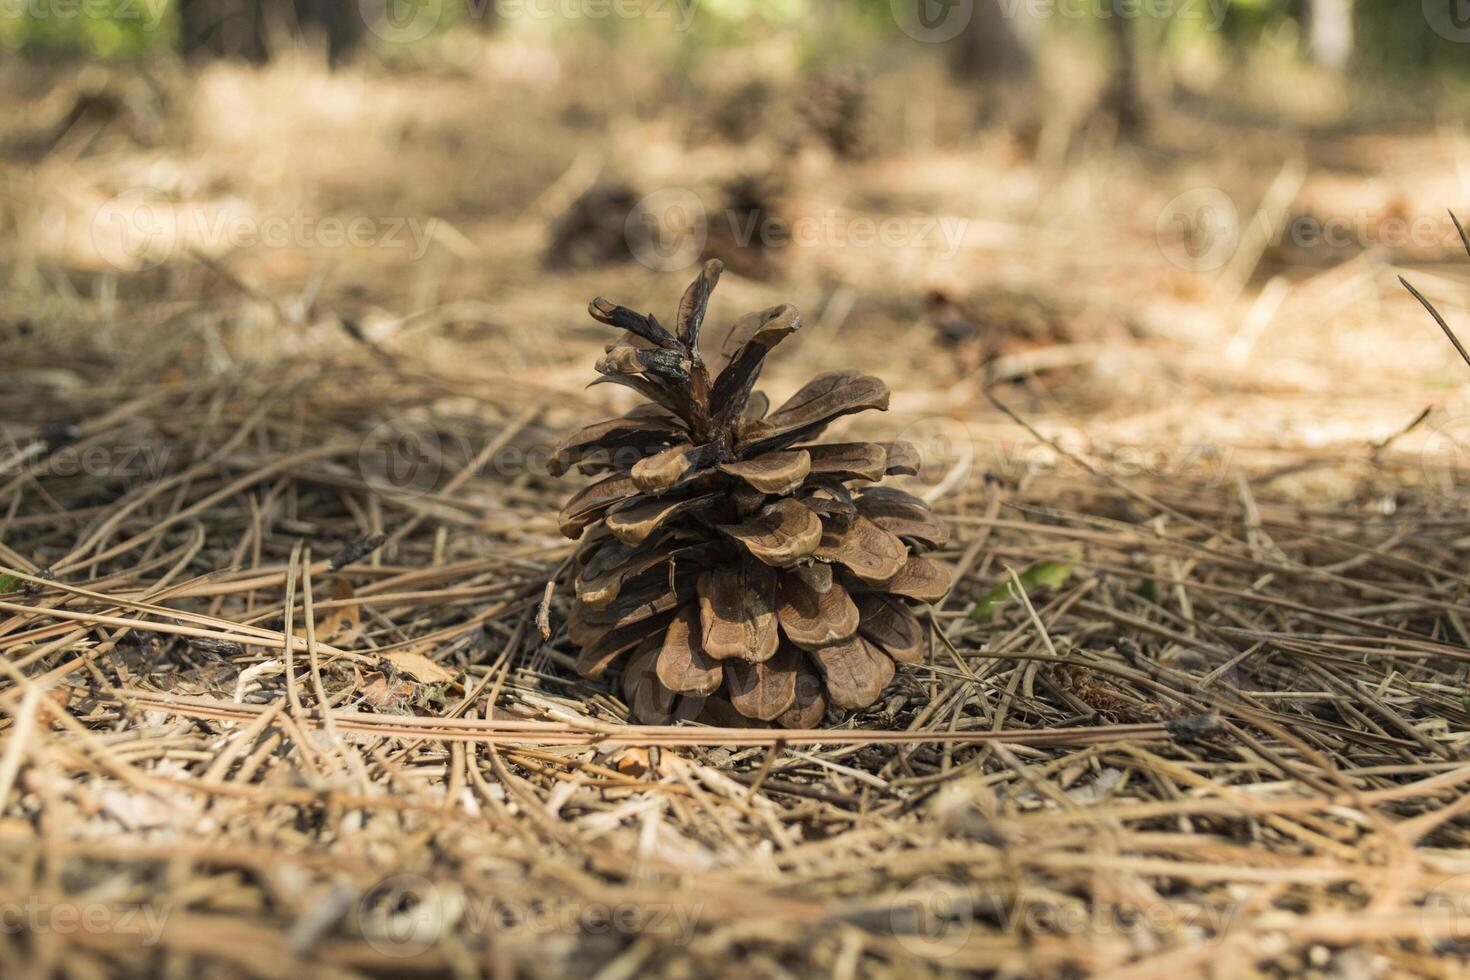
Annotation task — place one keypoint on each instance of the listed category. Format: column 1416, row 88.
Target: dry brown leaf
column 418, row 666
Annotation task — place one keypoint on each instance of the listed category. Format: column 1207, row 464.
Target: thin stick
column 1464, row 354
column 309, row 615
column 292, row 694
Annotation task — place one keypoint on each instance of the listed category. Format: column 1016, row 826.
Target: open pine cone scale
column 747, row 573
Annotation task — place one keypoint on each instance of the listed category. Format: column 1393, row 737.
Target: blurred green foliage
column 99, row 28
column 1395, row 34
column 1398, row 34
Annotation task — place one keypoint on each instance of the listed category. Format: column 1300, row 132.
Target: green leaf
column 9, row 583
column 1042, row 575
column 1149, row 589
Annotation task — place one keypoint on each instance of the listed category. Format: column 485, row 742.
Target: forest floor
column 285, row 350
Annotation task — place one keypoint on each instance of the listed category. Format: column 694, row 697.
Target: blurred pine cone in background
column 741, row 229
column 837, row 108
column 749, row 572
column 992, row 324
column 593, row 229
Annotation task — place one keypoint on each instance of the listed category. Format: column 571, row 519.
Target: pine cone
column 993, row 324
column 752, row 573
column 739, row 233
column 593, row 229
column 837, row 109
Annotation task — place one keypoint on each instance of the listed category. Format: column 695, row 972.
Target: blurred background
column 1169, row 224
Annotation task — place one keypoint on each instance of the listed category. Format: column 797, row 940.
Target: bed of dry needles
column 298, row 712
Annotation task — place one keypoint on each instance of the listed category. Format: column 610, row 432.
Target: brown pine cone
column 750, row 573
column 593, row 229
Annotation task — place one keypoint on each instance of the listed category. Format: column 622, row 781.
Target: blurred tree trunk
column 994, row 47
column 1330, row 32
column 222, row 28
column 1123, row 99
column 996, row 52
column 248, row 28
column 483, row 14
